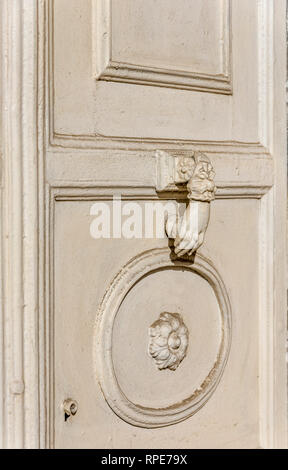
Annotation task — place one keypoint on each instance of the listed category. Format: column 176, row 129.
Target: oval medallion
column 162, row 338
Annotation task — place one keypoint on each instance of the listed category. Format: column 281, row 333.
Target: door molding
column 136, row 269
column 66, row 142
column 22, row 247
column 107, row 68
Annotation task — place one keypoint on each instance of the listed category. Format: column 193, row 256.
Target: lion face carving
column 168, row 340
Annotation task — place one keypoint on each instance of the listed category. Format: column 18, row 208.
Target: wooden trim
column 20, row 211
column 106, row 68
column 272, row 239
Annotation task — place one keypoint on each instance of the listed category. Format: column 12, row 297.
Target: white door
column 150, row 332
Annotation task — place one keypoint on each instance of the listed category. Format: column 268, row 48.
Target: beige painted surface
column 104, row 98
column 230, row 417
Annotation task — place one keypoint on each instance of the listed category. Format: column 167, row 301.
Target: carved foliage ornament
column 168, row 340
column 201, row 186
column 193, row 172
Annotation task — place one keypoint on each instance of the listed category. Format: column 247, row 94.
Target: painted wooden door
column 161, row 223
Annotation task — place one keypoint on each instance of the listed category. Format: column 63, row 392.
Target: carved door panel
column 172, row 340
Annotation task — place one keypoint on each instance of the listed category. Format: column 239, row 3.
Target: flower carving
column 168, row 340
column 185, row 168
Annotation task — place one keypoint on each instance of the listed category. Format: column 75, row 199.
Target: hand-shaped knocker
column 188, row 231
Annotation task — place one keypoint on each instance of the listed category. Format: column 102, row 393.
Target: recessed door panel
column 123, row 300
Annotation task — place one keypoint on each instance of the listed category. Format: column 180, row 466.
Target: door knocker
column 197, row 175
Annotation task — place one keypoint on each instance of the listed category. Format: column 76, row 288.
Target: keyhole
column 70, row 408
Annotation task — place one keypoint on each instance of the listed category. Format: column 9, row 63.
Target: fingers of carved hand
column 188, row 244
column 188, row 231
column 198, row 244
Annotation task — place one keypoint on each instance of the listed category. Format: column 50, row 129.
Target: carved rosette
column 168, row 340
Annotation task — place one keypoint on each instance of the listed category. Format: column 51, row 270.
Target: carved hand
column 188, row 232
column 192, row 228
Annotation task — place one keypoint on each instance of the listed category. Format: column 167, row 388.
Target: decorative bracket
column 194, row 174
